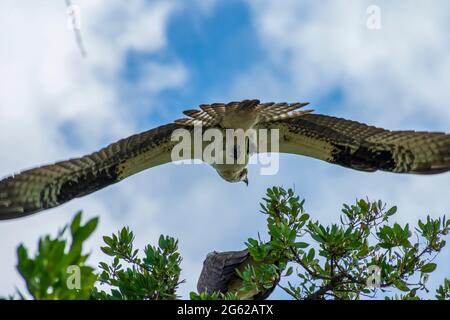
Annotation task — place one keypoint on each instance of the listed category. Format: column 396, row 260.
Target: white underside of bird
column 245, row 116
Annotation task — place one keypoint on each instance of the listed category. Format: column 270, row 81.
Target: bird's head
column 235, row 176
column 243, row 176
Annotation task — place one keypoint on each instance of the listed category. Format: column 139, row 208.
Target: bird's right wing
column 52, row 185
column 362, row 147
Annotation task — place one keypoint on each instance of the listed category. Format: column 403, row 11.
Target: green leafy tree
column 363, row 256
column 155, row 276
column 59, row 263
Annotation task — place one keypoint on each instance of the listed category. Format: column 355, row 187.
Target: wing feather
column 52, row 185
column 339, row 141
column 219, row 274
column 219, row 269
column 363, row 147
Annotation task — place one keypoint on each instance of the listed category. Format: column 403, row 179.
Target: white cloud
column 401, row 68
column 158, row 77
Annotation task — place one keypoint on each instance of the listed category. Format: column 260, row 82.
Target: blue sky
column 216, row 47
column 149, row 60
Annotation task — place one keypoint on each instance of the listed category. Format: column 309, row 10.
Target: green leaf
column 317, row 238
column 107, row 250
column 304, row 217
column 75, row 225
column 311, row 254
column 108, row 240
column 289, row 271
column 84, row 232
column 428, row 268
column 124, row 235
column 22, row 253
column 401, row 285
column 363, row 205
column 301, row 245
column 391, row 211
column 162, row 243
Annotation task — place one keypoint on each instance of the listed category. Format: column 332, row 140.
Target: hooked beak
column 245, row 181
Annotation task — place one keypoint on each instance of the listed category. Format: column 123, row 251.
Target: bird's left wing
column 358, row 146
column 52, row 185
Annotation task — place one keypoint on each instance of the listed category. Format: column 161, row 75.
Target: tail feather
column 213, row 114
column 215, row 110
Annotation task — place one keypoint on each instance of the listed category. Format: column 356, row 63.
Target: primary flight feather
column 338, row 141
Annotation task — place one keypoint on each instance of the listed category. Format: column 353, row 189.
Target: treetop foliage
column 364, row 256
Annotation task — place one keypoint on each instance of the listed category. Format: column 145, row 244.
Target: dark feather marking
column 86, row 184
column 49, row 186
column 364, row 158
column 348, row 152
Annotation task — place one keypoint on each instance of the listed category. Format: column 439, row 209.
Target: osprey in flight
column 338, row 141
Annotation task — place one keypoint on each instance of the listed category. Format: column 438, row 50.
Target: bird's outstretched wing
column 358, row 146
column 219, row 275
column 49, row 186
column 347, row 143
